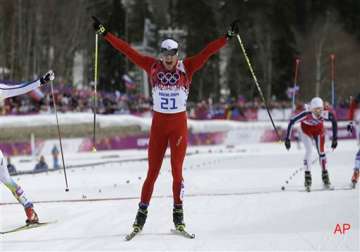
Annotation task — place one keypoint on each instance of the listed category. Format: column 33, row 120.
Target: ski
column 26, row 227
column 131, row 235
column 329, row 187
column 183, row 232
column 325, row 188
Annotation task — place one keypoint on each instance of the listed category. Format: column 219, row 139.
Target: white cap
column 169, row 44
column 316, row 102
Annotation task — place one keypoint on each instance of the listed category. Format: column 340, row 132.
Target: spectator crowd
column 70, row 99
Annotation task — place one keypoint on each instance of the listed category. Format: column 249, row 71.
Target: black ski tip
column 183, row 233
column 130, row 236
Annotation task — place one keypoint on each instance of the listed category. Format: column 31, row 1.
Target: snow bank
column 104, row 121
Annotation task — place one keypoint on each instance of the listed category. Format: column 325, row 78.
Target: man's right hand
column 99, row 27
column 287, row 143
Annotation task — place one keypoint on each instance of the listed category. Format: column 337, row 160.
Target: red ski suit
column 169, row 123
column 313, row 128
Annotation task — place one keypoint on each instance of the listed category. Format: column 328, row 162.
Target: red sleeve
column 352, row 110
column 142, row 61
column 194, row 63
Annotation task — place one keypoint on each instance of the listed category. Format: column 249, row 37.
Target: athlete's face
column 169, row 59
column 317, row 112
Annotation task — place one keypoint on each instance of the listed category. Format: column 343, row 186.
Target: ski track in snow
column 233, row 201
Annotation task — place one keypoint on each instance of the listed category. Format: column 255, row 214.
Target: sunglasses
column 166, row 52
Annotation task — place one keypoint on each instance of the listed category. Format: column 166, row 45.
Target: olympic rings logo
column 168, row 78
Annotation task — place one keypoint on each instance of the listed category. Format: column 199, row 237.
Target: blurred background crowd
column 38, row 35
column 70, row 99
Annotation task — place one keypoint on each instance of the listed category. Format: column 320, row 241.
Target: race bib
column 169, row 101
column 169, row 89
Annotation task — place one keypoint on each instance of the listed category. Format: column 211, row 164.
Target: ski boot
column 178, row 217
column 307, row 180
column 325, row 179
column 355, row 178
column 32, row 217
column 140, row 218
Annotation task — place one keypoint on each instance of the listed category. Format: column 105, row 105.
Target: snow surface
column 233, row 202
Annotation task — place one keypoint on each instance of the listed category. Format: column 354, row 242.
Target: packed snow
column 233, row 201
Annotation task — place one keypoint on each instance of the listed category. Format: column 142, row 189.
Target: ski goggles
column 166, row 52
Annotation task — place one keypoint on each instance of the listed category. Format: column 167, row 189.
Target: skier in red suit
column 312, row 131
column 354, row 117
column 170, row 79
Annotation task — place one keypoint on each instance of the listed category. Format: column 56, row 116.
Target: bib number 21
column 168, row 103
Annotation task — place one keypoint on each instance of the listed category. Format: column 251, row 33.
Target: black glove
column 233, row 30
column 287, row 143
column 334, row 143
column 49, row 76
column 99, row 27
column 350, row 127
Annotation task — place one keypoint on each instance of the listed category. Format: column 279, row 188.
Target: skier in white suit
column 7, row 91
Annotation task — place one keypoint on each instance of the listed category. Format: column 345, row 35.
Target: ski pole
column 297, row 61
column 59, row 135
column 298, row 170
column 257, row 84
column 95, row 89
column 332, row 57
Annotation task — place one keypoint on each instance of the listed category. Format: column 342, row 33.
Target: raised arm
column 7, row 91
column 194, row 63
column 142, row 61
